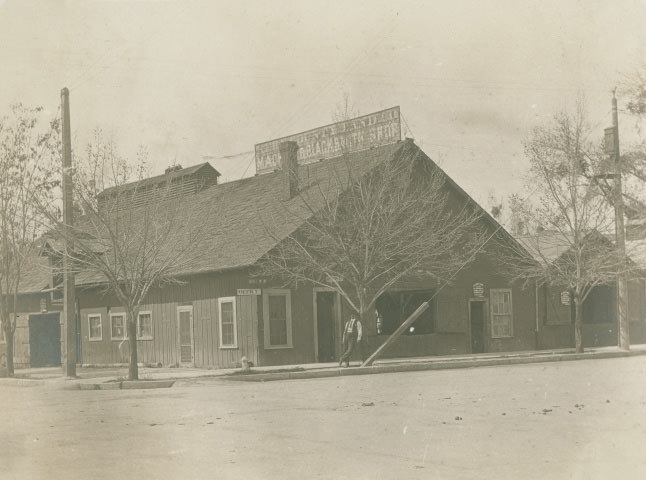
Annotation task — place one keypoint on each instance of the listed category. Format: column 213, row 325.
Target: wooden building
column 555, row 307
column 220, row 311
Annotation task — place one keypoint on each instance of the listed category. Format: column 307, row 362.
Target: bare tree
column 132, row 235
column 571, row 253
column 368, row 231
column 27, row 154
column 633, row 159
column 513, row 212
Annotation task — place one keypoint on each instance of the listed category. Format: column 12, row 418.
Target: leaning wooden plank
column 421, row 309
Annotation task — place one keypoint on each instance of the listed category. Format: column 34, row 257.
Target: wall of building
column 200, row 292
column 452, row 332
column 599, row 329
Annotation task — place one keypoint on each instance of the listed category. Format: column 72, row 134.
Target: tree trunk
column 133, row 369
column 9, row 337
column 364, row 349
column 578, row 338
column 5, row 317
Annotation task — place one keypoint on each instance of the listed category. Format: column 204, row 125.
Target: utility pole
column 69, row 294
column 620, row 233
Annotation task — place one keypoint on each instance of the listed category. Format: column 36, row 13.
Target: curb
column 125, row 385
column 437, row 365
column 20, row 382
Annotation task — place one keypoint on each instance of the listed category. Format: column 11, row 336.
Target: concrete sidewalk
column 109, row 378
column 434, row 363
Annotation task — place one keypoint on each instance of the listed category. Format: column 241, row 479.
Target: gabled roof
column 546, row 246
column 37, row 275
column 549, row 246
column 241, row 221
column 175, row 174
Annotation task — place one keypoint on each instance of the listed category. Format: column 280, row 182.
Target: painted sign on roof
column 361, row 133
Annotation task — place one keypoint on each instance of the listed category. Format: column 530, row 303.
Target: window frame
column 231, row 300
column 431, row 311
column 90, row 338
column 125, row 330
column 145, row 337
column 287, row 294
column 494, row 315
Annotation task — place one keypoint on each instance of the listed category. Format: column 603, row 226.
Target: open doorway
column 477, row 323
column 325, row 325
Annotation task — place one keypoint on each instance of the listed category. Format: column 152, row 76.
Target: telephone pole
column 620, row 233
column 69, row 294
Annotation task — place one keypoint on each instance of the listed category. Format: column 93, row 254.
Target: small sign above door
column 248, row 291
column 478, row 290
column 565, row 297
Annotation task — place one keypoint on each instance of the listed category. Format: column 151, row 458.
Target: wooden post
column 69, row 295
column 620, row 232
column 421, row 309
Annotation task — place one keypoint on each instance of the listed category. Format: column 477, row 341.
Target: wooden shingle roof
column 242, row 220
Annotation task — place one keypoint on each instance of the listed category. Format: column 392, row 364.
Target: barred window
column 501, row 313
column 118, row 326
column 95, row 327
column 145, row 326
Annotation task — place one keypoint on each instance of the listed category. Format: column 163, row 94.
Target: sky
column 197, row 81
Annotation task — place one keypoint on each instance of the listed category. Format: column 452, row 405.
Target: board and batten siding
column 201, row 293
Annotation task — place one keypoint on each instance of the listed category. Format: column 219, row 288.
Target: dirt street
column 572, row 420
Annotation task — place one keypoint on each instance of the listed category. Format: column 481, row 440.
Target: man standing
column 351, row 336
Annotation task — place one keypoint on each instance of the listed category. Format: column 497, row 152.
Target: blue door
column 44, row 340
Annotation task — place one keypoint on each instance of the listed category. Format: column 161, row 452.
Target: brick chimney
column 289, row 166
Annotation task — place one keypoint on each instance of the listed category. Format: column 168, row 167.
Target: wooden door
column 185, row 325
column 477, row 314
column 44, row 340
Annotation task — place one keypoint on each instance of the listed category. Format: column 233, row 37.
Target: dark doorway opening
column 325, row 326
column 44, row 340
column 477, row 314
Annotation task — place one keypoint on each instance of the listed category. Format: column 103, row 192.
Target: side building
column 555, row 311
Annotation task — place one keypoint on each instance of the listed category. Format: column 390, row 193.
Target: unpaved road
column 572, row 420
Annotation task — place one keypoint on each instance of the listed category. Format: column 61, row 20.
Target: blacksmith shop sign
column 357, row 134
column 478, row 290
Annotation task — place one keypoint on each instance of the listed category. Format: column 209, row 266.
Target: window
column 501, row 313
column 118, row 324
column 145, row 326
column 393, row 308
column 228, row 331
column 2, row 338
column 95, row 327
column 277, row 313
